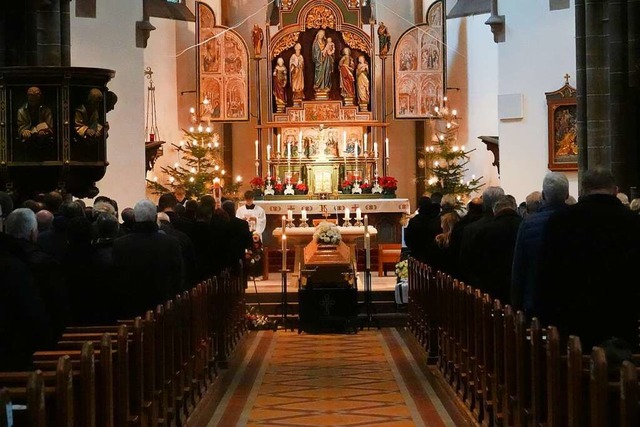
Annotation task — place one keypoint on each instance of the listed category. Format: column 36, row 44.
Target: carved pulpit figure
column 87, row 117
column 279, row 85
column 35, row 120
column 296, row 69
column 362, row 80
column 347, row 81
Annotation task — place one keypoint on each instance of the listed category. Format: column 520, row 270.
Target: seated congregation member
column 585, row 254
column 204, row 244
column 167, row 204
column 497, row 239
column 422, row 230
column 128, row 219
column 240, row 238
column 147, row 264
column 524, row 274
column 45, row 220
column 470, row 252
column 54, row 241
column 46, row 271
column 52, row 201
column 186, row 248
column 443, row 240
column 25, row 325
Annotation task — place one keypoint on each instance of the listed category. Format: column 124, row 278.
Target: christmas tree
column 445, row 162
column 200, row 168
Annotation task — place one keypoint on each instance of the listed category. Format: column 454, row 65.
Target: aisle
column 367, row 379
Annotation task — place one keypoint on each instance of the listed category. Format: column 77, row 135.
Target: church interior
column 319, row 212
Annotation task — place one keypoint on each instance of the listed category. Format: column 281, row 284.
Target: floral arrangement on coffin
column 327, row 233
column 402, row 271
column 388, row 183
column 301, row 188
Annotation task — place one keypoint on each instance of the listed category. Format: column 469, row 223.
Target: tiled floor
column 364, row 379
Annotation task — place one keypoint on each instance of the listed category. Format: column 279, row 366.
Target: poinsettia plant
column 301, row 186
column 346, row 183
column 278, row 187
column 365, row 185
column 256, row 182
column 388, row 183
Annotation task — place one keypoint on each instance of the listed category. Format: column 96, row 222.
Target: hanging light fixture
column 153, row 143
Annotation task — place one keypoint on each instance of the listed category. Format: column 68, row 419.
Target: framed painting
column 563, row 143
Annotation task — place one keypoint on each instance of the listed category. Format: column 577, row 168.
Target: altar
column 387, row 216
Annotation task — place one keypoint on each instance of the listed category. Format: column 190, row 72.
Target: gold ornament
column 285, row 43
column 321, row 17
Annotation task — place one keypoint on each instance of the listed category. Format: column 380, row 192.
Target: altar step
column 386, row 313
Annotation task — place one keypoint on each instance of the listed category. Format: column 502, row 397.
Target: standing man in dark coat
column 147, row 263
column 586, row 252
column 240, row 238
column 474, row 213
column 421, row 232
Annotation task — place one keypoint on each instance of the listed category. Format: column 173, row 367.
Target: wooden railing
column 148, row 371
column 509, row 371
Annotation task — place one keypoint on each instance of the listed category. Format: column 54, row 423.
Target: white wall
column 539, row 50
column 109, row 42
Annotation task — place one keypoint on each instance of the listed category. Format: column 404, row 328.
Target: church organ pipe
column 581, row 84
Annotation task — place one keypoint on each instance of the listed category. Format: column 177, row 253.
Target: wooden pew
column 35, row 413
column 535, row 413
column 555, row 392
column 6, row 411
column 629, row 395
column 49, row 396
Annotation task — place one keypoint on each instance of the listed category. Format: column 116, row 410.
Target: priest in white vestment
column 253, row 214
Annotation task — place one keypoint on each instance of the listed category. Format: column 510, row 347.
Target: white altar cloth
column 334, row 207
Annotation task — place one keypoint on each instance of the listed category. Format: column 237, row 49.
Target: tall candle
column 288, row 150
column 386, row 147
column 268, row 151
column 365, row 142
column 358, row 214
column 375, row 149
column 304, row 214
column 284, row 219
column 344, row 142
column 346, row 214
column 279, row 145
column 300, row 144
column 289, row 214
column 257, row 155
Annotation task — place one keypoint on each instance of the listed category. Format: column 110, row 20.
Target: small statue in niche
column 347, row 82
column 362, row 80
column 384, row 40
column 257, row 36
column 35, row 120
column 279, row 84
column 296, row 68
column 87, row 117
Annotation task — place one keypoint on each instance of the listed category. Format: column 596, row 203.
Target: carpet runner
column 365, row 379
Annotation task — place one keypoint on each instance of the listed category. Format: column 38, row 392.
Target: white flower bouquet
column 402, row 270
column 327, row 233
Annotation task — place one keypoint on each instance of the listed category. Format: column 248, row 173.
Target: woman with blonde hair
column 443, row 240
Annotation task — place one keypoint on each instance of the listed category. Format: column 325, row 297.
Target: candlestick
column 344, row 143
column 365, row 143
column 375, row 149
column 289, row 214
column 358, row 213
column 216, row 182
column 284, row 250
column 257, row 155
column 279, row 145
column 268, row 151
column 284, row 219
column 367, row 243
column 288, row 150
column 300, row 144
column 386, row 147
column 303, row 218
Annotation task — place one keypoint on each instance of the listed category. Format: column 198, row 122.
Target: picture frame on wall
column 562, row 124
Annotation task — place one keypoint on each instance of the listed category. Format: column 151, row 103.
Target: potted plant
column 366, row 187
column 278, row 188
column 389, row 185
column 346, row 186
column 301, row 188
column 257, row 184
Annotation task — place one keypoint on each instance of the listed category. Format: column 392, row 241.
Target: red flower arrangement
column 278, row 187
column 365, row 185
column 346, row 183
column 256, row 182
column 301, row 186
column 388, row 183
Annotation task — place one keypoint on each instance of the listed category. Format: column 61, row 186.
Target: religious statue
column 258, row 37
column 362, row 80
column 347, row 81
column 87, row 116
column 35, row 121
column 384, row 40
column 323, row 51
column 296, row 68
column 279, row 83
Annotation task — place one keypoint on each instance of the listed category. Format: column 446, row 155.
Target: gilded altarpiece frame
column 419, row 67
column 223, row 70
column 562, row 116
